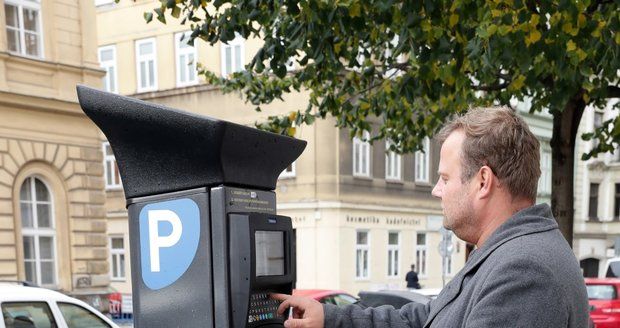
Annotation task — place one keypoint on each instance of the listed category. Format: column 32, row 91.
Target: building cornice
column 58, row 66
column 33, row 102
column 319, row 205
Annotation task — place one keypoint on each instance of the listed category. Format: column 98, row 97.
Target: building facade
column 597, row 195
column 52, row 216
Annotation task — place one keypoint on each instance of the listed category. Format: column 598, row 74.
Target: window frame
column 36, row 232
column 593, row 202
column 363, row 147
column 421, row 248
column 544, row 182
column 393, row 164
column 364, row 248
column 115, row 254
column 146, row 58
column 188, row 50
column 107, row 65
column 393, row 254
column 237, row 41
column 115, row 185
column 422, row 173
column 31, row 5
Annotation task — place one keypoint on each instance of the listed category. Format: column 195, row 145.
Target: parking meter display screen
column 269, row 247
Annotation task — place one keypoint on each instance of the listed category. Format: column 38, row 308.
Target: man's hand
column 307, row 313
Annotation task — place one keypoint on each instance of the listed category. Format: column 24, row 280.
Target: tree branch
column 495, row 87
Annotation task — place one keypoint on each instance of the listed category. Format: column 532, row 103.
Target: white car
column 30, row 307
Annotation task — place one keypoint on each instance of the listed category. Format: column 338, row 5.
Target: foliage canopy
column 411, row 64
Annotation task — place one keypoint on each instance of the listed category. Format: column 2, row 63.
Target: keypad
column 262, row 307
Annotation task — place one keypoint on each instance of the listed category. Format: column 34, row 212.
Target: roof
column 317, row 293
column 601, row 281
column 12, row 292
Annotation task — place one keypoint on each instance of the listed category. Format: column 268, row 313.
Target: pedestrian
column 412, row 279
column 523, row 272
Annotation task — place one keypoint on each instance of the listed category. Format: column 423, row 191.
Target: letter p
column 155, row 240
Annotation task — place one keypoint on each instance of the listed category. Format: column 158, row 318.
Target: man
column 523, row 272
column 412, row 279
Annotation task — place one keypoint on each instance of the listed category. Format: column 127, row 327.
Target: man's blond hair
column 498, row 138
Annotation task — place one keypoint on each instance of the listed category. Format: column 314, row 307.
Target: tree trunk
column 565, row 125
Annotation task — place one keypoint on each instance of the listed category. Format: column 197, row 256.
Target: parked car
column 430, row 292
column 612, row 268
column 30, row 307
column 336, row 297
column 604, row 301
column 395, row 298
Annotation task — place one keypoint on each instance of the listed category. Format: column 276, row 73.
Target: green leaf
column 176, row 12
column 148, row 16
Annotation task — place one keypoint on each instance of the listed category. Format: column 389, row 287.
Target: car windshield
column 601, row 292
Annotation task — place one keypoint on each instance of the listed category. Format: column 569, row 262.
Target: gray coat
column 525, row 275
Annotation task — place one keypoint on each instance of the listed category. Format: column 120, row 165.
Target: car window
column 342, row 299
column 79, row 317
column 328, row 300
column 601, row 292
column 27, row 315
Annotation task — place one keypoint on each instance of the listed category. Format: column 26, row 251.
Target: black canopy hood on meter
column 159, row 149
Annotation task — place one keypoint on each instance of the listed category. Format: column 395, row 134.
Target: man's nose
column 436, row 190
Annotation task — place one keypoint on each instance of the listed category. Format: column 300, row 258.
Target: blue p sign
column 169, row 236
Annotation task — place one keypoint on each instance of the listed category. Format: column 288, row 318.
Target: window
column 28, row 314
column 393, row 251
column 421, row 162
column 289, row 172
column 361, row 155
column 117, row 254
column 23, row 27
column 232, row 56
column 392, row 163
column 146, row 63
column 110, row 168
column 77, row 316
column 617, row 202
column 38, row 232
column 186, row 60
column 593, row 205
column 544, row 183
column 598, row 122
column 107, row 61
column 420, row 254
column 362, row 245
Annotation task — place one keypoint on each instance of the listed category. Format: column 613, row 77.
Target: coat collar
column 534, row 219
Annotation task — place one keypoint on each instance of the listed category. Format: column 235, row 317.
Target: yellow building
column 52, row 215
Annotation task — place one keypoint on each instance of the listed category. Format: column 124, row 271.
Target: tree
column 412, row 64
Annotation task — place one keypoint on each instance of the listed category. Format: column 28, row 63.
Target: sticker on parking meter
column 169, row 235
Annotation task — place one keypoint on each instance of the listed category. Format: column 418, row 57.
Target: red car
column 336, row 297
column 604, row 301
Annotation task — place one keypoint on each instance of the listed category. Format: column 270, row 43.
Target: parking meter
column 207, row 246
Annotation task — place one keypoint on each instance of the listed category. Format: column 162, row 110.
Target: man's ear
column 486, row 181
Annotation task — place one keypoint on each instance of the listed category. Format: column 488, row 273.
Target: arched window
column 38, row 232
